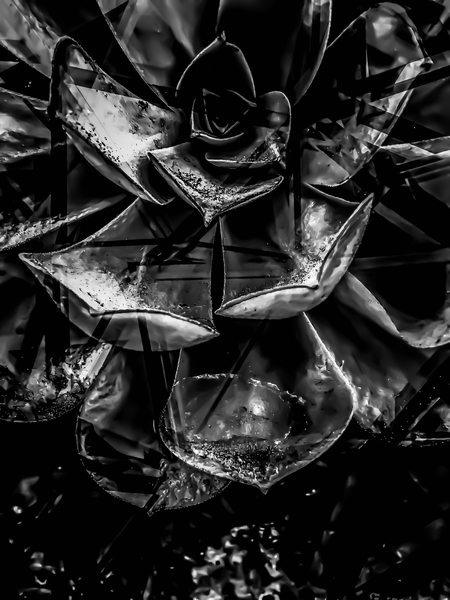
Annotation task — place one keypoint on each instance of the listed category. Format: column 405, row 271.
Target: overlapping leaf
column 372, row 65
column 120, row 127
column 282, row 41
column 289, row 256
column 20, row 78
column 253, row 408
column 387, row 373
column 23, row 130
column 407, row 243
column 26, row 36
column 35, row 203
column 143, row 281
column 117, row 437
column 44, row 371
column 212, row 193
column 161, row 38
column 311, row 44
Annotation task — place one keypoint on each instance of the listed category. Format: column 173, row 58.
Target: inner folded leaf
column 361, row 90
column 212, row 191
column 289, row 256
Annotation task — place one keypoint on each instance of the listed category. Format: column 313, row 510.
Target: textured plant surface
column 224, row 255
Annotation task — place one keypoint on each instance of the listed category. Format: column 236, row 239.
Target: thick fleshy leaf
column 363, row 87
column 51, row 389
column 141, row 281
column 287, row 258
column 211, row 193
column 431, row 427
column 360, row 293
column 161, row 37
column 25, row 36
column 23, row 131
column 258, row 403
column 218, row 68
column 85, row 23
column 387, row 373
column 274, row 35
column 266, row 142
column 407, row 243
column 117, row 438
column 22, row 234
column 45, row 364
column 310, row 45
column 34, row 205
column 20, row 78
column 118, row 125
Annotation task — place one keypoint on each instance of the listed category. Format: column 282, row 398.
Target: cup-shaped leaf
column 258, row 403
column 218, row 68
column 289, row 255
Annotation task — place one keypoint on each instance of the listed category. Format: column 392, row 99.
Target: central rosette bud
column 234, row 126
column 221, row 119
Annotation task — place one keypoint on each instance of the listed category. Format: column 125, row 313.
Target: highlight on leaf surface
column 143, row 281
column 253, row 409
column 311, row 44
column 44, row 371
column 26, row 36
column 117, row 440
column 389, row 375
column 400, row 278
column 22, row 131
column 288, row 257
column 35, row 212
column 371, row 66
column 210, row 192
column 161, row 37
column 120, row 127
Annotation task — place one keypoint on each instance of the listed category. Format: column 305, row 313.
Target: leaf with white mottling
column 211, row 194
column 119, row 126
column 290, row 257
column 144, row 279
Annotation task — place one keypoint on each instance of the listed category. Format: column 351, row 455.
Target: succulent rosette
column 190, row 257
